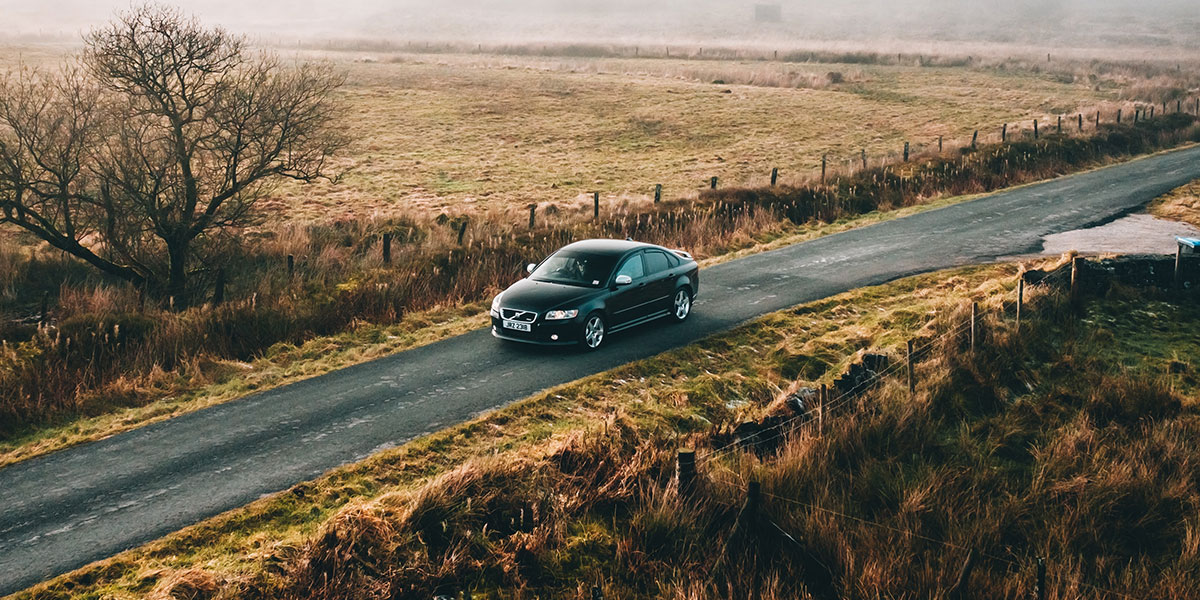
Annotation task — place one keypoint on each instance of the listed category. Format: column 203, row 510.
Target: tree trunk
column 177, row 272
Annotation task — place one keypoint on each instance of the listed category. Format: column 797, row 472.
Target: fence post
column 974, row 318
column 823, row 157
column 685, row 469
column 864, row 158
column 1041, row 579
column 1179, row 106
column 291, row 265
column 1035, row 129
column 1097, row 119
column 774, row 175
column 1151, row 112
column 1060, row 124
column 657, row 192
column 713, row 183
column 1178, row 261
column 219, row 292
column 595, row 205
column 532, row 215
column 1004, row 133
column 912, row 382
column 753, row 499
column 387, row 248
column 1074, row 280
column 462, row 230
column 1020, row 300
column 974, row 138
column 939, row 144
column 1136, row 113
column 821, row 414
column 1118, row 116
column 905, row 151
column 1081, row 121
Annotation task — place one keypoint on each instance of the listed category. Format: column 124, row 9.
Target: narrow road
column 64, row 510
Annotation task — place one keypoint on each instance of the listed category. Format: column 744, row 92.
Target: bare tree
column 152, row 150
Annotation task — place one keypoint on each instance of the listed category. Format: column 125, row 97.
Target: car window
column 674, row 260
column 632, row 267
column 575, row 268
column 656, row 262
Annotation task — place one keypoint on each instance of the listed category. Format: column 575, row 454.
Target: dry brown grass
column 1182, row 204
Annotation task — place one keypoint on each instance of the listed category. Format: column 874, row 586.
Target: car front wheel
column 593, row 331
column 681, row 306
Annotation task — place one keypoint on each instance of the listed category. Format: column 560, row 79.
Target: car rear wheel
column 593, row 331
column 681, row 306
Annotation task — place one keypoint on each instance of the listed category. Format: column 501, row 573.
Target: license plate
column 518, row 326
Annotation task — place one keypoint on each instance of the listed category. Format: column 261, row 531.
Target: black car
column 589, row 289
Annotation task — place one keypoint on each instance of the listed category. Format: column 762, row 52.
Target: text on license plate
column 518, row 326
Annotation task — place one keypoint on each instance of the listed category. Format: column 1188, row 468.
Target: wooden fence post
column 823, row 157
column 532, row 215
column 1151, row 112
column 1118, row 116
column 864, row 158
column 1097, row 119
column 939, row 143
column 1081, row 121
column 821, row 414
column 1074, row 279
column 1179, row 106
column 912, row 381
column 595, row 205
column 1136, row 113
column 1004, row 133
column 657, row 192
column 1020, row 300
column 291, row 265
column 713, row 183
column 753, row 499
column 774, row 175
column 1178, row 261
column 685, row 470
column 387, row 248
column 905, row 151
column 462, row 230
column 1059, row 124
column 1035, row 129
column 219, row 292
column 1041, row 579
column 974, row 138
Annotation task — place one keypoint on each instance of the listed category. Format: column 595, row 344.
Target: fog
column 1173, row 24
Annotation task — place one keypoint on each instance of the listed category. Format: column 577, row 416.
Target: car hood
column 541, row 296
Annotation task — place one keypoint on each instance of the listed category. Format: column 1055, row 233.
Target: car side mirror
column 530, row 267
column 623, row 280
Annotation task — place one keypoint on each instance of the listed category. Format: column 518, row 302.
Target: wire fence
column 1053, row 283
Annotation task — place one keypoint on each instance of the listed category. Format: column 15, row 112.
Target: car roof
column 608, row 247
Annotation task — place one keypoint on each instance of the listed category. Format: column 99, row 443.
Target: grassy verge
column 1181, row 204
column 212, row 380
column 572, row 487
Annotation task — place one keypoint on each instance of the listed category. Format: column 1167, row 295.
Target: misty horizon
column 1168, row 24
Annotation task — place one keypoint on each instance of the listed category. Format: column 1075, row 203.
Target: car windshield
column 575, row 268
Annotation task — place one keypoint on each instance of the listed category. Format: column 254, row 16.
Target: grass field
column 1017, row 431
column 462, row 133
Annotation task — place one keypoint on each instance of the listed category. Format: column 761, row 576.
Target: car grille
column 512, row 314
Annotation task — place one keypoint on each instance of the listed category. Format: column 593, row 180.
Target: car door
column 629, row 302
column 660, row 281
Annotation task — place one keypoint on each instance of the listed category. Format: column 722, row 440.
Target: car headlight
column 559, row 315
column 495, row 312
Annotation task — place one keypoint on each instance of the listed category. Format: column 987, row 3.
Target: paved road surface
column 69, row 508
